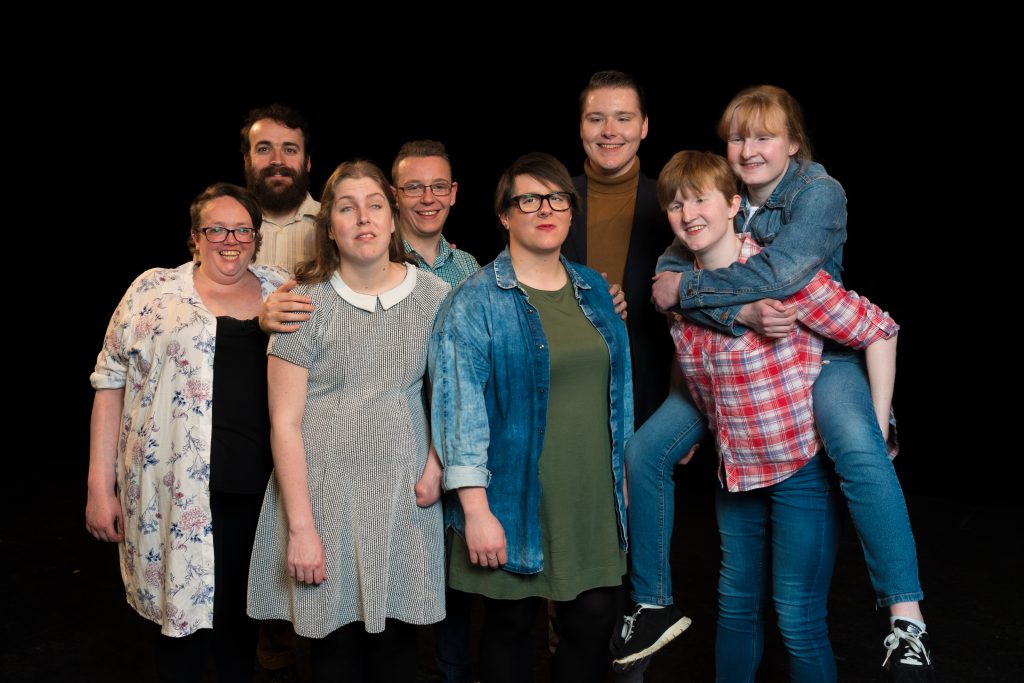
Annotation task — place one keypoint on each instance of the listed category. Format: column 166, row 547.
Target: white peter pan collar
column 368, row 302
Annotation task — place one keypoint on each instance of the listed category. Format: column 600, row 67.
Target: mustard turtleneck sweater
column 610, row 204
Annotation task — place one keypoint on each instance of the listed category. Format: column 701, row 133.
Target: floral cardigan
column 159, row 347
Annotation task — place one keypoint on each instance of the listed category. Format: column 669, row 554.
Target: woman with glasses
column 350, row 546
column 532, row 405
column 180, row 451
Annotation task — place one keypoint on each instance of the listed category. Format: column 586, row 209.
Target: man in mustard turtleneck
column 621, row 229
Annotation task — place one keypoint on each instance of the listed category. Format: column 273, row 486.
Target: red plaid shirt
column 756, row 392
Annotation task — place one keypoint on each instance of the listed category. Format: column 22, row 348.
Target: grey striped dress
column 366, row 437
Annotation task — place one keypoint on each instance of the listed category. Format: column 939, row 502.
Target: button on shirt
column 490, row 371
column 290, row 243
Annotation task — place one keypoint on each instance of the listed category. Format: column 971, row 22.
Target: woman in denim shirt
column 532, row 406
column 797, row 212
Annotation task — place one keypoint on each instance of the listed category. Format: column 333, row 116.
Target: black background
column 916, row 240
column 122, row 133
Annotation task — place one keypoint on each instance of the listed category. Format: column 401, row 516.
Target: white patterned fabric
column 159, row 348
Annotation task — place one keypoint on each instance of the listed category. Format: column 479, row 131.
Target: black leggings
column 352, row 654
column 584, row 626
column 232, row 641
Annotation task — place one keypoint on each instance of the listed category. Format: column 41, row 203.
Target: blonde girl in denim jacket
column 797, row 213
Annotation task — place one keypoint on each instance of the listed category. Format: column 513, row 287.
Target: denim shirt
column 490, row 374
column 802, row 228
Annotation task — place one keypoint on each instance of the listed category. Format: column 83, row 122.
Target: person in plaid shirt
column 797, row 212
column 756, row 394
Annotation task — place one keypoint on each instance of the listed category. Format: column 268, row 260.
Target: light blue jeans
column 651, row 455
column 779, row 543
column 848, row 428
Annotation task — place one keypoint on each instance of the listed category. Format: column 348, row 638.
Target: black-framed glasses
column 531, row 203
column 215, row 234
column 439, row 188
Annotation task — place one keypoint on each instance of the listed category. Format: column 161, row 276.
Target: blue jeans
column 781, row 540
column 651, row 455
column 849, row 430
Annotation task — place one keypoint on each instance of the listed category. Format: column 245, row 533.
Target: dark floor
column 66, row 619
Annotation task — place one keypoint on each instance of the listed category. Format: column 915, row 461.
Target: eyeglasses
column 531, row 203
column 440, row 188
column 217, row 234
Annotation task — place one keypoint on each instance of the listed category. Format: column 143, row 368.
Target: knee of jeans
column 647, row 458
column 633, row 455
column 802, row 625
column 865, row 467
column 739, row 599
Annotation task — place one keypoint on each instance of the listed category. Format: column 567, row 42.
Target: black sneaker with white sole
column 644, row 632
column 908, row 657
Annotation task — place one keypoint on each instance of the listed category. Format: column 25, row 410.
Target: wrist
column 475, row 509
column 741, row 317
column 100, row 487
column 301, row 528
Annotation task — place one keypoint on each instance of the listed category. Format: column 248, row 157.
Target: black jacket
column 649, row 340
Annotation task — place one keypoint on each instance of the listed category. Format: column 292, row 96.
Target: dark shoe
column 908, row 657
column 644, row 632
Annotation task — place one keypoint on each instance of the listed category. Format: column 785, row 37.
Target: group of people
column 417, row 429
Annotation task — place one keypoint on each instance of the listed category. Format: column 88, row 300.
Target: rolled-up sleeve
column 112, row 361
column 840, row 314
column 459, row 364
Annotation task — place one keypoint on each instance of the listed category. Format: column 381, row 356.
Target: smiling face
column 224, row 262
column 423, row 216
column 361, row 221
column 759, row 156
column 611, row 128
column 703, row 222
column 540, row 233
column 277, row 166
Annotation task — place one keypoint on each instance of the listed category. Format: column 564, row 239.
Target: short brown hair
column 771, row 108
column 241, row 195
column 419, row 148
column 539, row 165
column 281, row 114
column 326, row 259
column 695, row 172
column 614, row 79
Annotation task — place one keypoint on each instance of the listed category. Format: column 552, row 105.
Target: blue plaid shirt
column 451, row 265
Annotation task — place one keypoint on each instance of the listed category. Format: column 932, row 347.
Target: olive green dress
column 579, row 530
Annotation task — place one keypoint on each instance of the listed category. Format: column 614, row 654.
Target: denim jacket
column 802, row 228
column 490, row 373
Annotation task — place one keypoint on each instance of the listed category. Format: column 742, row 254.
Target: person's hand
column 103, row 518
column 685, row 460
column 283, row 311
column 618, row 297
column 428, row 487
column 768, row 317
column 485, row 539
column 306, row 557
column 665, row 290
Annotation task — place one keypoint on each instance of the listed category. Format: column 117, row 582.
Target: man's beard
column 278, row 199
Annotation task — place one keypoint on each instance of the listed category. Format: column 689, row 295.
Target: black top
column 240, row 459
